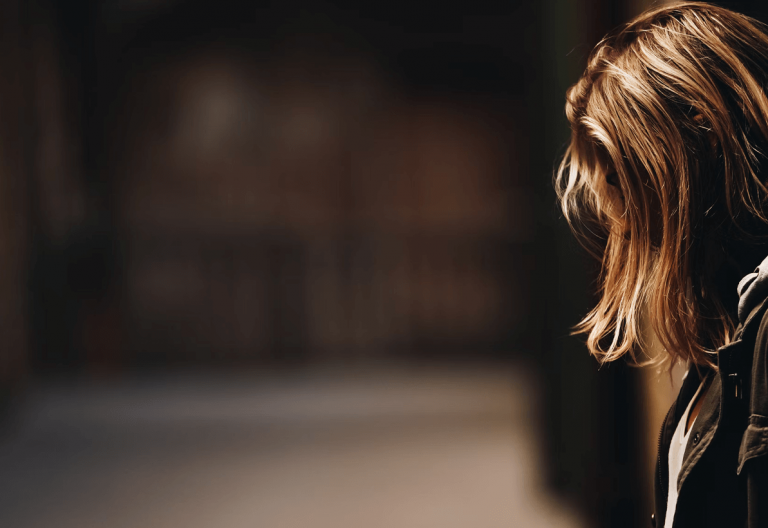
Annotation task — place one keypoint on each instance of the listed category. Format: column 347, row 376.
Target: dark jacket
column 723, row 480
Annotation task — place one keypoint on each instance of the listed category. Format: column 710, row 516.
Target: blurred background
column 300, row 264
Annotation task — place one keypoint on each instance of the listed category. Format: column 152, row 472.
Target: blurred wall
column 271, row 183
column 16, row 138
column 186, row 183
column 303, row 206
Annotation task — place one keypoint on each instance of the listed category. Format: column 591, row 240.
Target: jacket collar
column 752, row 289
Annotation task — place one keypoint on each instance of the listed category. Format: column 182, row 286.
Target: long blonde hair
column 669, row 133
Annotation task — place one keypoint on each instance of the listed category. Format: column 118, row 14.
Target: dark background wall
column 244, row 184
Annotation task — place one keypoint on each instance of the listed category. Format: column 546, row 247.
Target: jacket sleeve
column 753, row 465
column 753, row 452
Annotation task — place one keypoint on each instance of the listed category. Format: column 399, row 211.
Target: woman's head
column 666, row 167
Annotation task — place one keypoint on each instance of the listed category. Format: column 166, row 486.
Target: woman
column 665, row 181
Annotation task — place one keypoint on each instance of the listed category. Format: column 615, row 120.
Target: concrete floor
column 380, row 447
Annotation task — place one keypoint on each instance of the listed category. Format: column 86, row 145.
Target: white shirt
column 676, row 452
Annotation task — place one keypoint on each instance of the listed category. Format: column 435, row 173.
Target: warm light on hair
column 669, row 134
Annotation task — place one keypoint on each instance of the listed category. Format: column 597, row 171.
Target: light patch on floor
column 394, row 447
